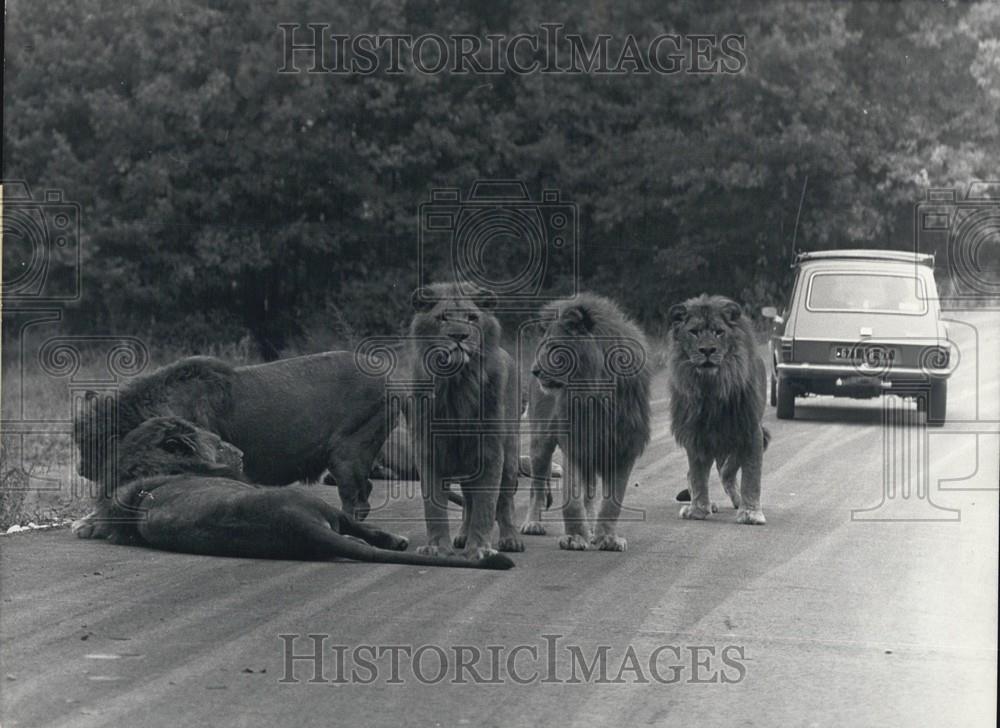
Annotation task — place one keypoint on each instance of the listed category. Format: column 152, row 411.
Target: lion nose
column 459, row 335
column 707, row 350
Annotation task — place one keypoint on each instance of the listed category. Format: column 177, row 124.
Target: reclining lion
column 292, row 419
column 181, row 490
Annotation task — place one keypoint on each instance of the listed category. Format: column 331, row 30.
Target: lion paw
column 532, row 528
column 90, row 527
column 434, row 551
column 752, row 517
column 511, row 543
column 477, row 554
column 573, row 542
column 459, row 541
column 694, row 513
column 610, row 542
column 401, row 544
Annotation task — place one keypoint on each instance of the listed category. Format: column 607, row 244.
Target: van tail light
column 786, row 351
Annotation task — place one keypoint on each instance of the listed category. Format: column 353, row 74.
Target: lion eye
column 720, row 332
column 692, row 332
column 473, row 317
column 441, row 317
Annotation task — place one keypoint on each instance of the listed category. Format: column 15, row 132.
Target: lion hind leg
column 463, row 531
column 700, row 506
column 348, row 526
column 727, row 472
column 542, row 448
column 750, row 511
column 577, row 537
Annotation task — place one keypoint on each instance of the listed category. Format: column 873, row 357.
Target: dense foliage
column 220, row 197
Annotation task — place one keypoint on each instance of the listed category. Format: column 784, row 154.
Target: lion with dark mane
column 717, row 390
column 590, row 396
column 463, row 416
column 181, row 488
column 292, row 419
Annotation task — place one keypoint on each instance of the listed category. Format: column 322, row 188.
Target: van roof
column 862, row 254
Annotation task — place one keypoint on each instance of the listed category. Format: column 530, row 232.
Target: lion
column 463, row 417
column 590, row 396
column 293, row 418
column 717, row 397
column 182, row 489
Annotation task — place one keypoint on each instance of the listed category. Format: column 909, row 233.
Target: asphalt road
column 817, row 619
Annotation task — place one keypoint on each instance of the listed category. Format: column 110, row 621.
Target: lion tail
column 359, row 551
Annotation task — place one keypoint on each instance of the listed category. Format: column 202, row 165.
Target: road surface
column 824, row 617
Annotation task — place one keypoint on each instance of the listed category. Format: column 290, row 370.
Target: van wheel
column 785, row 400
column 937, row 404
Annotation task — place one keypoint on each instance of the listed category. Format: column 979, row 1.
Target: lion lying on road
column 181, row 490
column 292, row 418
column 591, row 398
column 717, row 392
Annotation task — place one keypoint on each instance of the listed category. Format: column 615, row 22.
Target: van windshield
column 866, row 292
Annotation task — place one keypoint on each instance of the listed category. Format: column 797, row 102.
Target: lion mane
column 590, row 371
column 717, row 397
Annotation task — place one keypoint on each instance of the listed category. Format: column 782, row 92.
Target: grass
column 37, row 480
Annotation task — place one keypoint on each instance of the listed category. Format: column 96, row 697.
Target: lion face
column 587, row 340
column 567, row 351
column 162, row 444
column 705, row 332
column 453, row 326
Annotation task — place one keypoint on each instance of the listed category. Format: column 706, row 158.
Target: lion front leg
column 615, row 486
column 698, row 469
column 727, row 472
column 750, row 511
column 509, row 538
column 435, row 512
column 481, row 496
column 577, row 536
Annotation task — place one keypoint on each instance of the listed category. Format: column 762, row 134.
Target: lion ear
column 677, row 313
column 179, row 445
column 423, row 299
column 485, row 299
column 732, row 311
column 578, row 318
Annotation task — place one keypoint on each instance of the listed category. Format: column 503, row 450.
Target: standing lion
column 717, row 389
column 591, row 398
column 463, row 416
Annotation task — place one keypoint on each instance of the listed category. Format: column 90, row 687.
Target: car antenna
column 795, row 232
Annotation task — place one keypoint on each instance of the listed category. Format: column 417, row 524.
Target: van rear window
column 866, row 292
